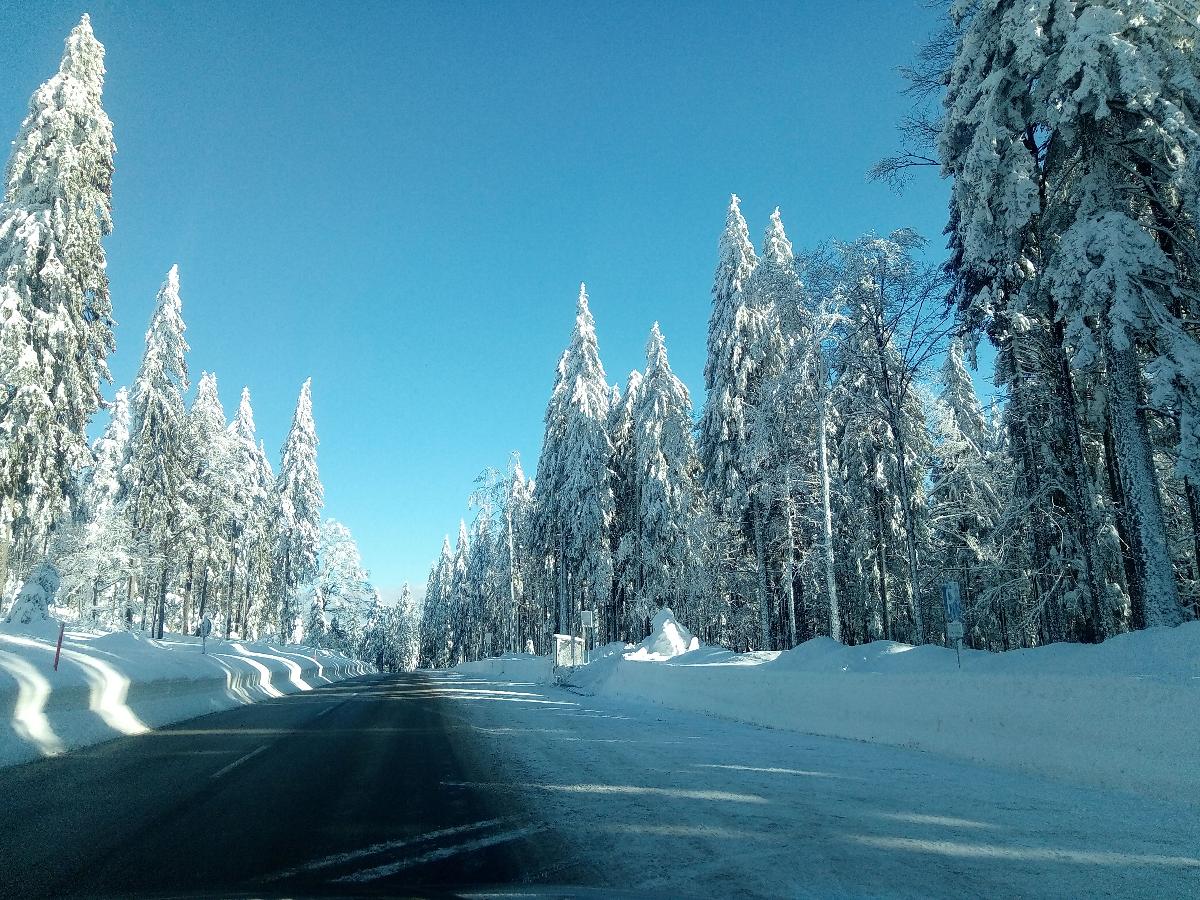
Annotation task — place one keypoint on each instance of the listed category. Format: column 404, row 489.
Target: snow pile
column 667, row 639
column 113, row 684
column 30, row 610
column 1124, row 714
column 512, row 667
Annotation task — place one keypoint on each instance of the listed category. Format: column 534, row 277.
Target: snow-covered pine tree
column 208, row 495
column 669, row 544
column 400, row 650
column 435, row 613
column 94, row 561
column 248, row 508
column 628, row 620
column 259, row 614
column 1122, row 120
column 527, row 625
column 793, row 422
column 723, row 430
column 456, row 596
column 965, row 503
column 55, row 313
column 300, row 497
column 156, row 468
column 347, row 597
column 764, row 495
column 722, row 426
column 573, row 496
column 505, row 498
column 894, row 328
column 1001, row 143
column 481, row 608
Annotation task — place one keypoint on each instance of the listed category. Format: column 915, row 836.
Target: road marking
column 442, row 853
column 327, row 709
column 340, row 858
column 237, row 762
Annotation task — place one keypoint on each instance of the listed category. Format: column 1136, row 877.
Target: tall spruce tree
column 724, row 431
column 628, row 620
column 209, row 494
column 248, row 499
column 155, row 497
column 669, row 541
column 965, row 501
column 300, row 497
column 55, row 313
column 1071, row 137
column 573, row 494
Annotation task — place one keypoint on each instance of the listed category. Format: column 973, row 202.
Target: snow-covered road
column 651, row 800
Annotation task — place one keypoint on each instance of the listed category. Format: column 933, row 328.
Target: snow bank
column 512, row 667
column 1121, row 715
column 114, row 684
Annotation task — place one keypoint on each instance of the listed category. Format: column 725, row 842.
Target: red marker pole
column 62, row 626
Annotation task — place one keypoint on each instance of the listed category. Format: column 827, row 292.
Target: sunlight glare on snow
column 294, row 670
column 29, row 717
column 109, row 691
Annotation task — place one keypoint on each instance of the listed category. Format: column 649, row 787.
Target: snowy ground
column 675, row 803
column 113, row 684
column 1122, row 715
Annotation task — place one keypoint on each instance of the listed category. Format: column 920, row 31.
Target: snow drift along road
column 1122, row 715
column 109, row 685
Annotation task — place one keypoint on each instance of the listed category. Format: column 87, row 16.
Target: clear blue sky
column 400, row 200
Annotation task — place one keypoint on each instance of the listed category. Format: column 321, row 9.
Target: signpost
column 205, row 630
column 587, row 621
column 952, row 600
column 62, row 627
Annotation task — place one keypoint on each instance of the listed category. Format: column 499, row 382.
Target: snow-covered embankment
column 109, row 685
column 1122, row 715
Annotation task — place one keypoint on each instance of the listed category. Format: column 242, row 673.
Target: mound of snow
column 512, row 667
column 30, row 611
column 667, row 639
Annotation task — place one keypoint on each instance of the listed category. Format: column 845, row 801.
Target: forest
column 172, row 515
column 841, row 467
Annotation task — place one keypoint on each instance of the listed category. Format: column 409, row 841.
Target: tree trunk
column 764, row 602
column 790, row 575
column 835, row 618
column 881, row 565
column 1083, row 507
column 185, row 614
column 1193, row 504
column 161, row 612
column 1155, row 571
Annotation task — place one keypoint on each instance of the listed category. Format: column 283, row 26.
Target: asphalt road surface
column 335, row 791
column 435, row 784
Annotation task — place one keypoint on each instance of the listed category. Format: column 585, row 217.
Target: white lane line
column 442, row 853
column 340, row 858
column 327, row 709
column 237, row 762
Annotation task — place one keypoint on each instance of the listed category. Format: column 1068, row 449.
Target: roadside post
column 952, row 600
column 62, row 626
column 587, row 621
column 205, row 629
